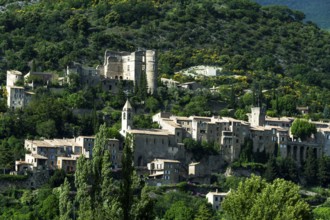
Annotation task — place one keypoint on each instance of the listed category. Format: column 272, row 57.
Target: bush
column 13, row 177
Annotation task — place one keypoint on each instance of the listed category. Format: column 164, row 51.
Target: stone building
column 17, row 96
column 131, row 66
column 216, row 198
column 269, row 135
column 86, row 75
column 151, row 143
column 164, row 170
column 63, row 153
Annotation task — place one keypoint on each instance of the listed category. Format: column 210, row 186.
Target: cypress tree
column 65, row 203
column 126, row 192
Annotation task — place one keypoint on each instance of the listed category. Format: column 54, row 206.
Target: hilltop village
column 207, row 109
column 159, row 153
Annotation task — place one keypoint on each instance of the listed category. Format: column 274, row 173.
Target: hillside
column 316, row 11
column 239, row 35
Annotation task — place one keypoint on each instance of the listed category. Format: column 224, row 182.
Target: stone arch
column 295, row 153
column 301, row 154
column 140, row 161
column 315, row 152
column 288, row 153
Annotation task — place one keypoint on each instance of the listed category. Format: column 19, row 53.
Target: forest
column 270, row 57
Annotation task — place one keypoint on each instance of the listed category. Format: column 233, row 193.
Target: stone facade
column 269, row 135
column 216, row 198
column 63, row 153
column 164, row 170
column 131, row 66
column 17, row 96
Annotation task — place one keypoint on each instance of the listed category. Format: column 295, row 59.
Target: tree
column 152, row 104
column 6, row 158
column 271, row 170
column 82, row 182
column 324, row 171
column 65, row 204
column 109, row 191
column 204, row 212
column 57, row 178
column 326, row 112
column 302, row 128
column 256, row 199
column 179, row 211
column 310, row 168
column 47, row 129
column 287, row 169
column 144, row 208
column 126, row 192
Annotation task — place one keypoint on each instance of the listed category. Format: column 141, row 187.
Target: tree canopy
column 302, row 128
column 257, row 199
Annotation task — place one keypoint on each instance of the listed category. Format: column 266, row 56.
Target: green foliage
column 271, row 170
column 179, row 211
column 65, row 203
column 311, row 168
column 302, row 129
column 13, row 177
column 323, row 171
column 144, row 121
column 256, row 199
column 126, row 191
column 321, row 213
column 57, row 178
column 200, row 149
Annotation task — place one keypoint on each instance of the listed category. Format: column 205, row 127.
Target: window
column 216, row 198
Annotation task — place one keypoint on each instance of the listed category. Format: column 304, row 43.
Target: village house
column 267, row 134
column 17, row 96
column 164, row 171
column 63, row 153
column 216, row 198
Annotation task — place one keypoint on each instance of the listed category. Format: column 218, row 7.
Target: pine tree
column 65, row 204
column 126, row 193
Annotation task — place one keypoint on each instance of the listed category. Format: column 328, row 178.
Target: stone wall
column 35, row 180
